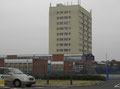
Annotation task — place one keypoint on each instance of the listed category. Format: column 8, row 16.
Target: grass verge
column 66, row 82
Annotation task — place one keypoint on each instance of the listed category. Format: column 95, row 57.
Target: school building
column 47, row 64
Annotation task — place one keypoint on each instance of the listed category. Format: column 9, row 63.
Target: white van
column 13, row 76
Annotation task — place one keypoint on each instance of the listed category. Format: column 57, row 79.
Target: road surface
column 111, row 84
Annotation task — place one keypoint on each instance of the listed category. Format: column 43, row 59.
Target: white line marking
column 118, row 85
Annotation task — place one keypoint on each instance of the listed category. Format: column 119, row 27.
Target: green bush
column 74, row 77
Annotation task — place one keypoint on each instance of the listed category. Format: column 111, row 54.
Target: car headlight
column 31, row 78
column 25, row 79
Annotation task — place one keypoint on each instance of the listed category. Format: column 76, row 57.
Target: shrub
column 74, row 77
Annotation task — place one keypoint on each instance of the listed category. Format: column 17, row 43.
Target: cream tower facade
column 70, row 30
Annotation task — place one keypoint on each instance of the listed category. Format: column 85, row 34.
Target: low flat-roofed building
column 46, row 64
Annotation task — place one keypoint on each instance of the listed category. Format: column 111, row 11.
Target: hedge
column 74, row 77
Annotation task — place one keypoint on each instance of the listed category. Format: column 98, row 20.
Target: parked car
column 13, row 76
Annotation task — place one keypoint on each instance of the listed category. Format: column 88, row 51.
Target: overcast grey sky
column 24, row 26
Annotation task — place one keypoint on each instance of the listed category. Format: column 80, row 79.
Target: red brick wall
column 88, row 63
column 40, row 66
column 94, row 68
column 58, row 57
column 78, row 63
column 11, row 56
column 1, row 62
column 68, row 67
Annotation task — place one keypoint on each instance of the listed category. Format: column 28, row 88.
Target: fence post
column 107, row 73
column 71, row 79
column 47, row 79
column 48, row 74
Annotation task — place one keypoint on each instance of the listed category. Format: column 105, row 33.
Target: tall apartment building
column 70, row 30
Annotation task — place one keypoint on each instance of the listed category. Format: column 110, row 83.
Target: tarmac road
column 111, row 84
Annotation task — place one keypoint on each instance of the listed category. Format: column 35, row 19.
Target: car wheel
column 28, row 85
column 17, row 83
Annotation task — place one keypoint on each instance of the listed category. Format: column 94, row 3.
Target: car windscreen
column 16, row 71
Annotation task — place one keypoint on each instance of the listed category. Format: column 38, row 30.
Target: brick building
column 1, row 62
column 46, row 64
